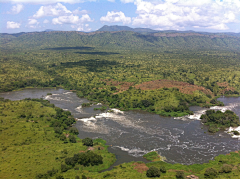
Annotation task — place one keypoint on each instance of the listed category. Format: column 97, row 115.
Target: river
column 131, row 134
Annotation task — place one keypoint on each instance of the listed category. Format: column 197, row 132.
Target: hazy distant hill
column 126, row 28
column 121, row 40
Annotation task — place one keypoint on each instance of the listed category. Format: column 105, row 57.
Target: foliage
column 30, row 145
column 163, row 169
column 153, row 172
column 210, row 173
column 151, row 155
column 219, row 119
column 74, row 130
column 87, row 141
column 180, row 174
column 226, row 168
column 72, row 139
column 101, row 108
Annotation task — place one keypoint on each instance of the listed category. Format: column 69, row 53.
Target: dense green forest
column 122, row 69
column 220, row 120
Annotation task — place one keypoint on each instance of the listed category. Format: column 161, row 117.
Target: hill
column 120, row 40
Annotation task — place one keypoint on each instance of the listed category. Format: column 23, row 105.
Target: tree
column 72, row 139
column 210, row 173
column 74, row 130
column 163, row 169
column 180, row 174
column 87, row 141
column 153, row 172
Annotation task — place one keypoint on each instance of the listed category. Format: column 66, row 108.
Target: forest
column 163, row 73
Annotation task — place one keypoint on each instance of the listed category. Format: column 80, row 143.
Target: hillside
column 121, row 40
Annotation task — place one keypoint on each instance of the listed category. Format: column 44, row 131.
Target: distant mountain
column 121, row 40
column 49, row 30
column 146, row 31
column 126, row 28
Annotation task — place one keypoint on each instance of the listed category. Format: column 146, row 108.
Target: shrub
column 58, row 130
column 62, row 137
column 212, row 129
column 226, row 168
column 153, row 172
column 180, row 174
column 64, row 168
column 210, row 173
column 236, row 133
column 87, row 141
column 59, row 177
column 163, row 169
column 74, row 130
column 84, row 177
column 72, row 139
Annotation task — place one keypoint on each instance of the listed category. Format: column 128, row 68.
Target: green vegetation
column 163, row 73
column 153, row 172
column 26, row 131
column 153, row 156
column 218, row 119
column 87, row 141
column 107, row 67
column 103, row 108
column 37, row 141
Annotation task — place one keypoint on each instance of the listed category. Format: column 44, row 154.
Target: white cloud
column 52, row 10
column 13, row 25
column 16, row 9
column 46, row 1
column 32, row 21
column 116, row 17
column 82, row 27
column 180, row 14
column 127, row 1
column 46, row 21
column 111, row 0
column 71, row 19
column 66, row 20
column 77, row 11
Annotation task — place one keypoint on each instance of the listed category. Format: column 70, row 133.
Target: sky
column 90, row 15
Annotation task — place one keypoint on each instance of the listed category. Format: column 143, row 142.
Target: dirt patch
column 81, row 151
column 67, row 135
column 90, row 148
column 182, row 86
column 158, row 84
column 122, row 86
column 140, row 167
column 192, row 177
column 225, row 87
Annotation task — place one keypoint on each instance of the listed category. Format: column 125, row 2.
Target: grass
column 153, row 156
column 29, row 146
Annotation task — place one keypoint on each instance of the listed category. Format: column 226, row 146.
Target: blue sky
column 90, row 15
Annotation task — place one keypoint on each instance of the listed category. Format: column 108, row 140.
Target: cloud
column 13, row 25
column 52, row 10
column 77, row 11
column 46, row 1
column 127, row 1
column 116, row 17
column 71, row 19
column 181, row 14
column 82, row 27
column 32, row 21
column 111, row 0
column 16, row 9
